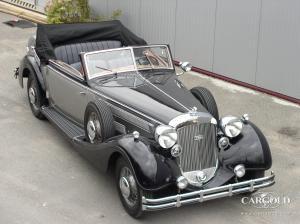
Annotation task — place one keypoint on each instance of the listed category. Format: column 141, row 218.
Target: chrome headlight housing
column 166, row 136
column 231, row 126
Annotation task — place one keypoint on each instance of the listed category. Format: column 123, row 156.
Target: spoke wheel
column 129, row 191
column 128, row 187
column 36, row 97
column 32, row 97
column 94, row 128
column 98, row 122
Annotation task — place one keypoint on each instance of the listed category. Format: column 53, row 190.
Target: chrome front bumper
column 207, row 194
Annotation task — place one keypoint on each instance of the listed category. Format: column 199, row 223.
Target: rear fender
column 28, row 66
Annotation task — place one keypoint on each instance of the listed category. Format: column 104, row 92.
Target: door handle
column 82, row 93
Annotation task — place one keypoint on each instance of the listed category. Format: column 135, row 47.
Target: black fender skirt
column 250, row 148
column 152, row 170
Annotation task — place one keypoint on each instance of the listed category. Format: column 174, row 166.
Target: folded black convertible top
column 49, row 36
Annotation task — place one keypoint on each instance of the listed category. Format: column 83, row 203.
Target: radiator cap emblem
column 198, row 137
column 193, row 111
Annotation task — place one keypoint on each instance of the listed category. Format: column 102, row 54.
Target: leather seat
column 77, row 66
column 70, row 53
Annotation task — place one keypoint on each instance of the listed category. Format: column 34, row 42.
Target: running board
column 69, row 128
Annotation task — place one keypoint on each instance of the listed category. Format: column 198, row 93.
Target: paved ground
column 42, row 180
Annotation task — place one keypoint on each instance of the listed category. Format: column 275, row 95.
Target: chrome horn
column 185, row 66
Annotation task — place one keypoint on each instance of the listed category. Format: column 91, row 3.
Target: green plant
column 65, row 11
column 116, row 14
column 84, row 8
column 73, row 11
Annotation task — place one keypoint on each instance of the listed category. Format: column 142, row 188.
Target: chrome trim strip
column 207, row 194
column 192, row 117
column 68, row 69
column 107, row 50
column 107, row 97
column 176, row 101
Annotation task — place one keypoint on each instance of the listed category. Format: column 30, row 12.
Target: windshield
column 152, row 58
column 123, row 60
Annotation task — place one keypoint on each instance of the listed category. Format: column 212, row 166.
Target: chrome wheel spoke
column 128, row 186
column 32, row 97
column 94, row 128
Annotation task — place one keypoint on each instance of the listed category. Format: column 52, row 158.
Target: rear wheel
column 207, row 100
column 98, row 122
column 129, row 192
column 36, row 97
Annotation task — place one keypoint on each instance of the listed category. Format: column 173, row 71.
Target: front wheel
column 207, row 100
column 128, row 189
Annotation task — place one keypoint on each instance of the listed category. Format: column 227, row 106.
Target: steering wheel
column 142, row 60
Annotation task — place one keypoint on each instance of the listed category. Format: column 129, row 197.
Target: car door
column 67, row 90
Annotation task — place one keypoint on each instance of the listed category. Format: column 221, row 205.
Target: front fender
column 153, row 171
column 250, row 148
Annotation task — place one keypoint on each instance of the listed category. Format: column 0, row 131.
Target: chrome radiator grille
column 199, row 148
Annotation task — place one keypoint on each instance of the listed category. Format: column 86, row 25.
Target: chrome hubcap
column 32, row 96
column 125, row 187
column 128, row 186
column 93, row 128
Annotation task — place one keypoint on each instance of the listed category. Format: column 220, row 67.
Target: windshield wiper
column 106, row 69
column 107, row 77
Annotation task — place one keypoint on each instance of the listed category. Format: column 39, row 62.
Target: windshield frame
column 85, row 55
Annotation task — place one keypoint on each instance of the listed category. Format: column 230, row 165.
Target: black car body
column 166, row 143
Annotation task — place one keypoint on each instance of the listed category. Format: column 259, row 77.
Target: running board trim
column 69, row 128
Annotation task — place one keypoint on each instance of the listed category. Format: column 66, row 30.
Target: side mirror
column 185, row 66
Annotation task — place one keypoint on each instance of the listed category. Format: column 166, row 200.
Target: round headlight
column 231, row 126
column 166, row 136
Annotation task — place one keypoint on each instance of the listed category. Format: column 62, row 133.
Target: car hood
column 161, row 96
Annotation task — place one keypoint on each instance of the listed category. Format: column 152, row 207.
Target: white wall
column 278, row 66
column 254, row 41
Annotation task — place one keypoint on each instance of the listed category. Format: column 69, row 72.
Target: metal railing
column 35, row 5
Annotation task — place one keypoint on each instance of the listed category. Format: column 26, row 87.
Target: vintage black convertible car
column 120, row 103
